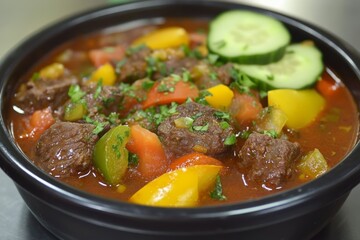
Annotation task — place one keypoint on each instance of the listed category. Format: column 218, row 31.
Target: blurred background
column 19, row 19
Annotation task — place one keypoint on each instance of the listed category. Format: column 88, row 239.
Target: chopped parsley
column 75, row 93
column 222, row 115
column 116, row 150
column 127, row 89
column 113, row 118
column 35, row 76
column 217, row 193
column 224, row 125
column 163, row 88
column 135, row 49
column 245, row 134
column 201, row 98
column 176, row 77
column 203, row 128
column 163, row 69
column 98, row 89
column 154, row 115
column 195, row 53
column 99, row 126
column 186, row 76
column 230, row 140
column 151, row 66
column 213, row 76
column 133, row 159
column 197, row 115
column 147, row 84
column 271, row 133
column 119, row 65
column 243, row 83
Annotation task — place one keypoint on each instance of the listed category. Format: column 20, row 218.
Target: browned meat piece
column 224, row 73
column 102, row 102
column 135, row 66
column 66, row 148
column 270, row 161
column 41, row 93
column 206, row 75
column 205, row 135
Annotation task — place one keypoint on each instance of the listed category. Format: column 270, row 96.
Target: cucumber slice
column 300, row 67
column 247, row 37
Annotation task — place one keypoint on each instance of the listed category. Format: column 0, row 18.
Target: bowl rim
column 15, row 164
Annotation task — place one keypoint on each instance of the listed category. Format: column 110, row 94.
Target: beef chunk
column 269, row 160
column 180, row 141
column 41, row 93
column 135, row 66
column 102, row 102
column 224, row 73
column 66, row 148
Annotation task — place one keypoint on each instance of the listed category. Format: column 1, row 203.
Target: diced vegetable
column 147, row 146
column 217, row 193
column 178, row 188
column 169, row 90
column 245, row 107
column 52, row 71
column 300, row 67
column 192, row 159
column 327, row 87
column 39, row 121
column 74, row 111
column 248, row 37
column 312, row 165
column 184, row 122
column 221, row 97
column 271, row 119
column 105, row 55
column 105, row 73
column 110, row 155
column 300, row 106
column 164, row 38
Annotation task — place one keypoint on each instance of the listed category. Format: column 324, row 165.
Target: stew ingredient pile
column 186, row 113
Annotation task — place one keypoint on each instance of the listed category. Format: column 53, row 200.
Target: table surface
column 18, row 19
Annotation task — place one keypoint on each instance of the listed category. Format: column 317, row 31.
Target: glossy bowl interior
column 72, row 214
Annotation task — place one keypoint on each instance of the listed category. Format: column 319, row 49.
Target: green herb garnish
column 271, row 133
column 133, row 159
column 203, row 128
column 222, row 115
column 201, row 98
column 75, row 93
column 135, row 49
column 119, row 65
column 98, row 89
column 217, row 193
column 230, row 140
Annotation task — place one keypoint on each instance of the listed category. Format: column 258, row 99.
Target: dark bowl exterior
column 71, row 214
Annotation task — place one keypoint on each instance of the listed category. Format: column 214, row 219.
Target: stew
column 185, row 112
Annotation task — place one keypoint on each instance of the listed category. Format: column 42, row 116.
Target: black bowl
column 72, row 214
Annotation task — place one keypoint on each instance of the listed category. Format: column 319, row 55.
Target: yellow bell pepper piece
column 52, row 71
column 271, row 119
column 105, row 73
column 164, row 38
column 312, row 165
column 300, row 106
column 221, row 96
column 178, row 188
